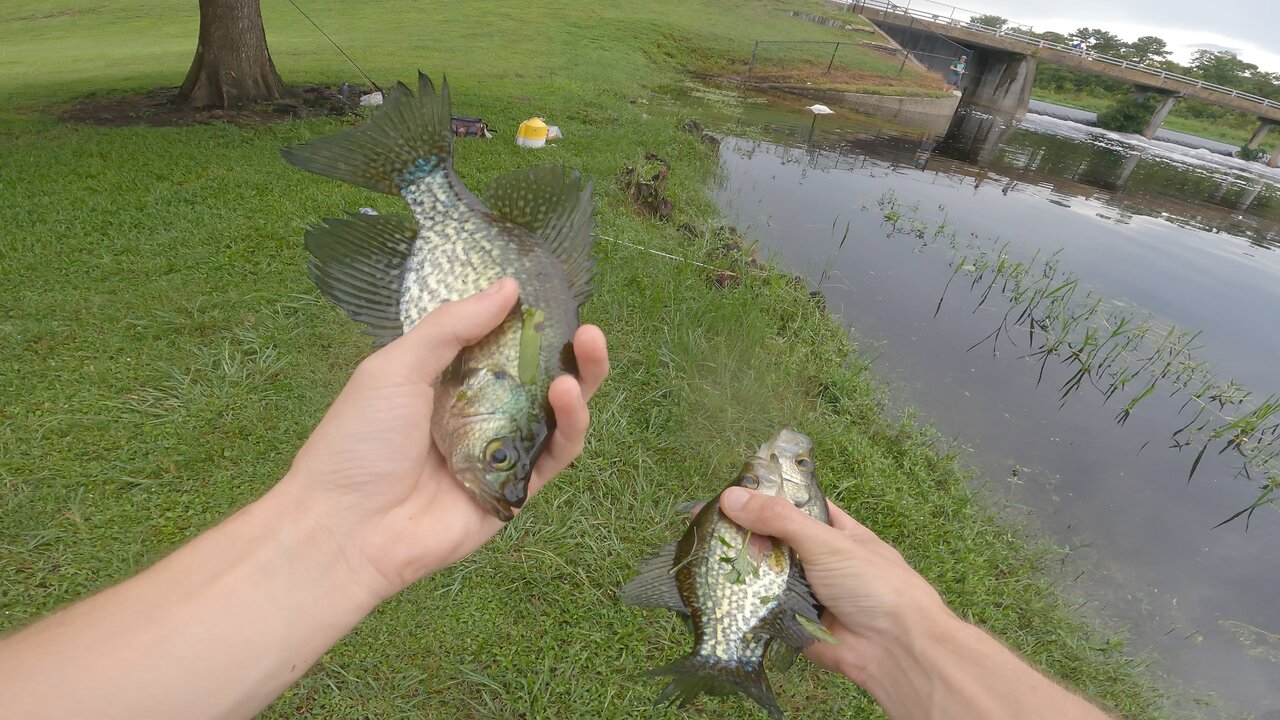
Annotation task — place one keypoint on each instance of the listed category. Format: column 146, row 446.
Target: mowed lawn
column 162, row 355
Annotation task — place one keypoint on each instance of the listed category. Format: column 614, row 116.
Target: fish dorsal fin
column 784, row 621
column 406, row 138
column 655, row 585
column 359, row 264
column 554, row 204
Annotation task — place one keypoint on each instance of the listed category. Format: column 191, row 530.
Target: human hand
column 872, row 597
column 371, row 475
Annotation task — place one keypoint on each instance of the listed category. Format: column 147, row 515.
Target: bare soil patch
column 157, row 108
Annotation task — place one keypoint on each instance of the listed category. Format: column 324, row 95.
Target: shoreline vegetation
column 166, row 355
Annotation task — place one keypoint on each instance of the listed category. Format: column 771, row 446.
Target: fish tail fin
column 694, row 675
column 407, row 138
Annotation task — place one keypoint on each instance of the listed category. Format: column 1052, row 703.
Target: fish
column 491, row 417
column 795, row 454
column 794, row 451
column 734, row 602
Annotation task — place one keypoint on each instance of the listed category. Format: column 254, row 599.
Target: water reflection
column 1185, row 237
column 976, row 138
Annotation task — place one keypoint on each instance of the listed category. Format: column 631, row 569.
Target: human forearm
column 942, row 667
column 217, row 629
column 894, row 635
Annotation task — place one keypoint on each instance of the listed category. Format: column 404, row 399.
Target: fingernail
column 493, row 288
column 733, row 498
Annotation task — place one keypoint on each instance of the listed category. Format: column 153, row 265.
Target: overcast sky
column 1251, row 29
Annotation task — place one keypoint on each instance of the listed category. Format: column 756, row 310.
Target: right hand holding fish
column 895, row 637
column 371, row 474
column 871, row 595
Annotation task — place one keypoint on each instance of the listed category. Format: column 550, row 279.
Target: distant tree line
column 1216, row 66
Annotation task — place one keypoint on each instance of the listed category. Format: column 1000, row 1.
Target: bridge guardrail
column 1017, row 34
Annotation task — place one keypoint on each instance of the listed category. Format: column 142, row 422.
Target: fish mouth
column 787, row 441
column 498, row 504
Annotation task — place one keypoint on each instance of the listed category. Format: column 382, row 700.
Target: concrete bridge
column 1002, row 64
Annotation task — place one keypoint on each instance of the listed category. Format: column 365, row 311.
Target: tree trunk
column 232, row 67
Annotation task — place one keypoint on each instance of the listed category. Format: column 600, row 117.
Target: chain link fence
column 930, row 49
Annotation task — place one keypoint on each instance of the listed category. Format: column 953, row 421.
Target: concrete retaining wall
column 829, row 22
column 891, row 106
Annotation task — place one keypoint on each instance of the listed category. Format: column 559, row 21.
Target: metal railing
column 1020, row 33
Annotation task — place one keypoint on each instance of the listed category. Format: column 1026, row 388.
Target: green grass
column 1220, row 132
column 1078, row 101
column 164, row 355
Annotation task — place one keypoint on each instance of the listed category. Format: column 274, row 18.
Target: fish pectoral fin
column 782, row 655
column 655, row 585
column 407, row 137
column 795, row 618
column 554, row 204
column 530, row 357
column 359, row 264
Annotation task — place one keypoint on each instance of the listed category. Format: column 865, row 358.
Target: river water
column 1162, row 232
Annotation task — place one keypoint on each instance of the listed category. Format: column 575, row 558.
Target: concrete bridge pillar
column 1162, row 111
column 1000, row 81
column 1259, row 134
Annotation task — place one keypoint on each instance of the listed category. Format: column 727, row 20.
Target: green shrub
column 1129, row 115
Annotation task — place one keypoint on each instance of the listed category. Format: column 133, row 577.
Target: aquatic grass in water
column 1120, row 351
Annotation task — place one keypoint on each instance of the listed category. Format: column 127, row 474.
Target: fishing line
column 344, row 52
column 659, row 253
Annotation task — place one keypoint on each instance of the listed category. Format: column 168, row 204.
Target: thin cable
column 344, row 52
column 662, row 254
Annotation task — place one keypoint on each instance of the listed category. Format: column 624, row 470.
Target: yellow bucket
column 532, row 133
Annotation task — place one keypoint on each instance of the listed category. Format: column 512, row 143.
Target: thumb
column 777, row 517
column 437, row 339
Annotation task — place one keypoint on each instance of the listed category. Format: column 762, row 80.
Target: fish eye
column 499, row 454
column 750, row 482
column 804, row 463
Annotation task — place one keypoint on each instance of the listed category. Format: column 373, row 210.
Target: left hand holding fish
column 372, row 474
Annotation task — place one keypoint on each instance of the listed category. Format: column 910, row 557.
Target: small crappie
column 734, row 602
column 794, row 451
column 491, row 416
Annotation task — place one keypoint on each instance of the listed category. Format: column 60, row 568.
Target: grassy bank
column 164, row 355
column 1222, row 132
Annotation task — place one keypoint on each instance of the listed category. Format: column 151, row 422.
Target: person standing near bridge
column 957, row 71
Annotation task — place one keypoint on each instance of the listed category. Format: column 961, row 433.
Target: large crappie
column 736, row 603
column 491, row 416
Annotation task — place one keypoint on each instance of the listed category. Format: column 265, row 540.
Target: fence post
column 833, row 58
column 752, row 64
column 904, row 63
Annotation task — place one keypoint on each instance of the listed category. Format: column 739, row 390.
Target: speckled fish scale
column 737, row 605
column 491, row 416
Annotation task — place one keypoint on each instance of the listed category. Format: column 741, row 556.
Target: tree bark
column 232, row 66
